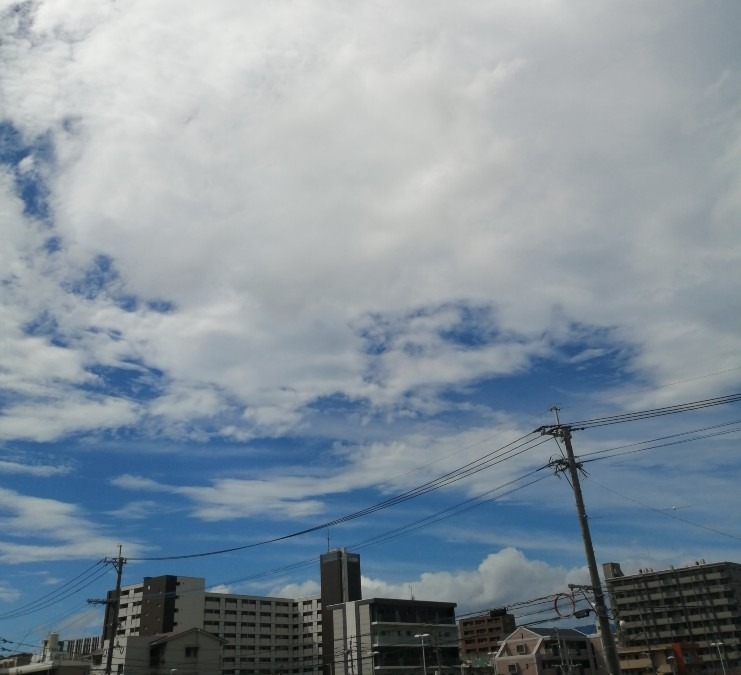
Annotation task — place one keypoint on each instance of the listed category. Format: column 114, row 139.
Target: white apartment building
column 261, row 635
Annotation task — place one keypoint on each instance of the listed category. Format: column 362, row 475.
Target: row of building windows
column 252, row 648
column 252, row 602
column 269, row 671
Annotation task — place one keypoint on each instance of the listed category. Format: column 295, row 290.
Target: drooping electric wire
column 493, row 458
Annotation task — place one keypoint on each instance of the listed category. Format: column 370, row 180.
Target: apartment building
column 265, row 635
column 394, row 637
column 682, row 620
column 261, row 635
column 482, row 635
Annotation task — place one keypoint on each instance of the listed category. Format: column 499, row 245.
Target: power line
column 457, row 509
column 488, row 460
column 508, row 451
column 669, row 514
column 664, row 445
column 660, row 438
column 73, row 586
column 655, row 412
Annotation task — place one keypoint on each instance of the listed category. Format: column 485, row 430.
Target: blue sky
column 267, row 264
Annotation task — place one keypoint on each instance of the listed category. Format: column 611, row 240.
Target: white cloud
column 138, row 510
column 280, row 175
column 220, row 588
column 136, row 483
column 301, row 590
column 40, row 471
column 391, row 466
column 8, row 593
column 62, row 530
column 501, row 579
column 297, row 224
column 41, row 422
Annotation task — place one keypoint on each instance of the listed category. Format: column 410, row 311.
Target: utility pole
column 570, row 464
column 112, row 605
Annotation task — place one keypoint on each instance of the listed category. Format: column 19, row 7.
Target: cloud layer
column 255, row 207
column 264, row 264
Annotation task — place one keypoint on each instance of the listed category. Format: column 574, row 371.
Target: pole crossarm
column 581, row 587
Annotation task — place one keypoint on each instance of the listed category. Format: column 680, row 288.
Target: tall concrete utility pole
column 113, row 606
column 570, row 464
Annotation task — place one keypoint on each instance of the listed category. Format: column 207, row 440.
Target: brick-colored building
column 482, row 635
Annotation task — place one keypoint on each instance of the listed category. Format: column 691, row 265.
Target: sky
column 267, row 265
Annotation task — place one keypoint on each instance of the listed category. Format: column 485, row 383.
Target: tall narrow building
column 340, row 582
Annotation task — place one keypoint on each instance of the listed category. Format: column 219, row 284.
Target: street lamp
column 718, row 645
column 422, row 637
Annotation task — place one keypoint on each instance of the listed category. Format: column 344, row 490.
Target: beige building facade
column 681, row 620
column 549, row 651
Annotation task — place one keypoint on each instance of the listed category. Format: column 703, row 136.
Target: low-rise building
column 548, row 651
column 394, row 637
column 51, row 661
column 188, row 652
column 482, row 635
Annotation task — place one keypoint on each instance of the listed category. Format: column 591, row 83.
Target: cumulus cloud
column 502, row 579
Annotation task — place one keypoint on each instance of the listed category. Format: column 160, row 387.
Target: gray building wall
column 380, row 635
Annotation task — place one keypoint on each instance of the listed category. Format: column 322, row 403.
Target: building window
column 512, row 668
column 191, row 652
